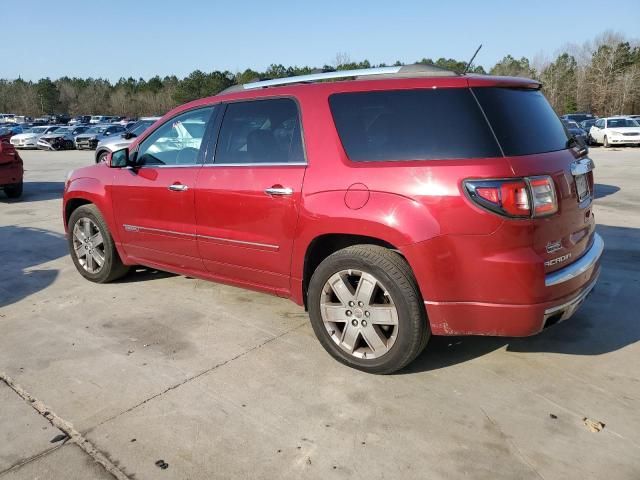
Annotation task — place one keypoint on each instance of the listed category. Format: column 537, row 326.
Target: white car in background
column 29, row 138
column 615, row 131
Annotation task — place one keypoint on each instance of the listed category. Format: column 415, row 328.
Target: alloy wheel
column 359, row 314
column 88, row 245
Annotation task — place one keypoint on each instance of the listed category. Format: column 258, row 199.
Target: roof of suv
column 405, row 72
column 418, row 76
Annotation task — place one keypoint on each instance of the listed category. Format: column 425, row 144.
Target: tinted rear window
column 412, row 125
column 522, row 120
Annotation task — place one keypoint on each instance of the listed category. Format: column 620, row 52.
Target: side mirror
column 119, row 158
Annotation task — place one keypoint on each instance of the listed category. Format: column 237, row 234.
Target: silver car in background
column 29, row 138
column 112, row 144
column 89, row 139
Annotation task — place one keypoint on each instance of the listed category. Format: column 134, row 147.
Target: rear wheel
column 605, row 142
column 14, row 190
column 91, row 247
column 366, row 309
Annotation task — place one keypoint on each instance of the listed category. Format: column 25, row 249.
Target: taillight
column 515, row 197
column 543, row 195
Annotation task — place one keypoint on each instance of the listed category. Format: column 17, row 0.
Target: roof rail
column 314, row 77
column 404, row 71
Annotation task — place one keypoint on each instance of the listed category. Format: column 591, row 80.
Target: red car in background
column 11, row 169
column 405, row 202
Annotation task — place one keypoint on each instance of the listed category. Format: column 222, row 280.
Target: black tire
column 102, row 156
column 112, row 268
column 605, row 142
column 14, row 190
column 396, row 275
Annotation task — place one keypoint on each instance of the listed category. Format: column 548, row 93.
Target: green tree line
column 602, row 76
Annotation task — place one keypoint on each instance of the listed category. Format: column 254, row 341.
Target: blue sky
column 142, row 38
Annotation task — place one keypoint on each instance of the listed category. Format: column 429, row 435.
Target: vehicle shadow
column 602, row 190
column 22, row 251
column 37, row 192
column 606, row 322
column 144, row 274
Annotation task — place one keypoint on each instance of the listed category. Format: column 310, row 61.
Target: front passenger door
column 154, row 200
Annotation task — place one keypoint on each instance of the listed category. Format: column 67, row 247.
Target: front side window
column 260, row 131
column 177, row 142
column 425, row 124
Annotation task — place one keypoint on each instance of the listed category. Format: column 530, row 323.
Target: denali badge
column 554, row 246
column 555, row 261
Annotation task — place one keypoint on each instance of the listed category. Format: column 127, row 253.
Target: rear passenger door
column 248, row 194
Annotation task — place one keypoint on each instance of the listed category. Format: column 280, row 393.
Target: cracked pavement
column 219, row 382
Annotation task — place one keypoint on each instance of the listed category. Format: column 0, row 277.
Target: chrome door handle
column 178, row 187
column 278, row 191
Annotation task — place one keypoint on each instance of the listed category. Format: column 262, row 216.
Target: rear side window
column 260, row 131
column 522, row 120
column 412, row 125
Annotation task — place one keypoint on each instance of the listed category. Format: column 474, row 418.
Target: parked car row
column 591, row 130
column 100, row 137
column 615, row 131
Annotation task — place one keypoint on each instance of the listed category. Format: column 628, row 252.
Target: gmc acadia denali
column 393, row 203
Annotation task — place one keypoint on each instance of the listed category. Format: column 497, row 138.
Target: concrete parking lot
column 104, row 381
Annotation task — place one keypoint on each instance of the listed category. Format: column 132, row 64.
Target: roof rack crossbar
column 314, row 77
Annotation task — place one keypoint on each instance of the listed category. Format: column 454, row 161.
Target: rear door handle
column 178, row 187
column 278, row 191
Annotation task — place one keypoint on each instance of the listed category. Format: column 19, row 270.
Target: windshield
column 96, row 130
column 622, row 122
column 139, row 127
column 61, row 130
column 572, row 125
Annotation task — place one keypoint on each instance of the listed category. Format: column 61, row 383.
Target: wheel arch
column 100, row 150
column 328, row 243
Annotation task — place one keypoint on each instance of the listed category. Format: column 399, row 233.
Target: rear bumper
column 521, row 320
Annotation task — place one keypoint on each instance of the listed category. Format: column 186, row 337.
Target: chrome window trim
column 577, row 268
column 257, row 164
column 191, row 165
column 137, row 228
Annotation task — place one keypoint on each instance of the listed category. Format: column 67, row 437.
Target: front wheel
column 102, row 156
column 14, row 190
column 605, row 142
column 366, row 309
column 91, row 247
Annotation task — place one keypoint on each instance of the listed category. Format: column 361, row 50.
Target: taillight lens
column 515, row 197
column 543, row 196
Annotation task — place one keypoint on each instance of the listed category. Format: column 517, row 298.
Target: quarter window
column 423, row 124
column 260, row 131
column 178, row 141
column 523, row 120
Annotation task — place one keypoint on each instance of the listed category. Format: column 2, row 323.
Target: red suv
column 11, row 168
column 399, row 203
